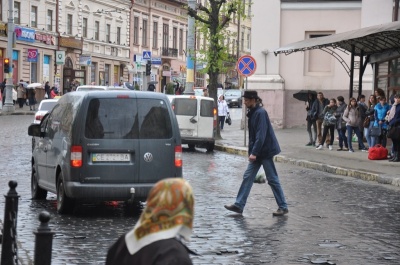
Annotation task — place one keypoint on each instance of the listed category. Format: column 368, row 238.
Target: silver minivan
column 103, row 146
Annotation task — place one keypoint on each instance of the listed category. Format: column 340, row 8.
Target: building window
column 34, row 16
column 93, row 70
column 144, row 32
column 242, row 42
column 84, row 27
column 108, row 33
column 69, row 24
column 49, row 22
column 165, row 36
column 136, row 30
column 174, row 38
column 180, row 41
column 249, row 39
column 17, row 12
column 155, row 35
column 316, row 61
column 107, row 74
column 96, row 30
column 119, row 35
column 34, row 72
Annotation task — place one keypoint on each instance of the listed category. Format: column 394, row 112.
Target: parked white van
column 197, row 120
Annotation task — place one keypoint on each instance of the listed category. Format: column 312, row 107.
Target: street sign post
column 147, row 55
column 246, row 66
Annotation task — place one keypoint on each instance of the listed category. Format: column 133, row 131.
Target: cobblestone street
column 337, row 219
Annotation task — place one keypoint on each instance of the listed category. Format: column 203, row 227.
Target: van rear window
column 185, row 106
column 206, row 108
column 128, row 119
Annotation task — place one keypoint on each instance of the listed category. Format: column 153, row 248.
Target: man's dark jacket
column 262, row 139
column 315, row 108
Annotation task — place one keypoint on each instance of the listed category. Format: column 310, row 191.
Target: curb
column 363, row 175
column 17, row 113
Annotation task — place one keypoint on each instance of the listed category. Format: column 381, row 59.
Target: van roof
column 171, row 97
column 78, row 96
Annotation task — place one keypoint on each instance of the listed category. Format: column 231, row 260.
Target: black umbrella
column 303, row 94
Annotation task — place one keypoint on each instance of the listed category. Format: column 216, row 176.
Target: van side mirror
column 34, row 130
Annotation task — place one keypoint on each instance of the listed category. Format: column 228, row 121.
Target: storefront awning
column 366, row 41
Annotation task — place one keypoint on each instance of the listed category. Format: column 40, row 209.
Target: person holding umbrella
column 311, row 120
column 31, row 95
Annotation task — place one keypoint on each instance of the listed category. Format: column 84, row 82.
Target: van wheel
column 64, row 203
column 210, row 147
column 191, row 146
column 37, row 192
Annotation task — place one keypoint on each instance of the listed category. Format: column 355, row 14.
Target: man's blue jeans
column 272, row 178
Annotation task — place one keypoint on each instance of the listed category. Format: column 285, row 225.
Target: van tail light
column 76, row 156
column 39, row 117
column 215, row 118
column 178, row 156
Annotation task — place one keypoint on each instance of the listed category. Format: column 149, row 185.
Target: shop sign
column 85, row 59
column 48, row 39
column 3, row 29
column 71, row 43
column 33, row 55
column 60, row 57
column 156, row 60
column 25, row 34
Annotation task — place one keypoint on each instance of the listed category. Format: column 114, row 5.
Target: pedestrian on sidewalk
column 370, row 113
column 263, row 146
column 311, row 120
column 31, row 95
column 318, row 109
column 363, row 108
column 381, row 111
column 157, row 237
column 352, row 116
column 329, row 124
column 341, row 124
column 21, row 95
column 394, row 120
column 222, row 111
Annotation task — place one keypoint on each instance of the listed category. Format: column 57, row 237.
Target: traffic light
column 148, row 69
column 6, row 65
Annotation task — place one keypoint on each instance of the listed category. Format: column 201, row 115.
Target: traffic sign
column 246, row 65
column 147, row 55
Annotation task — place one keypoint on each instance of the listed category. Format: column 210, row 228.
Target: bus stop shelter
column 364, row 42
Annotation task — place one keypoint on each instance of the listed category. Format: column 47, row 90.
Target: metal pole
column 361, row 73
column 9, row 249
column 245, row 120
column 190, row 53
column 8, row 104
column 43, row 241
column 351, row 71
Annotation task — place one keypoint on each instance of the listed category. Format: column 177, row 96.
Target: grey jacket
column 339, row 116
column 352, row 117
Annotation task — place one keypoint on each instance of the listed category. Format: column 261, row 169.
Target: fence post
column 9, row 250
column 43, row 241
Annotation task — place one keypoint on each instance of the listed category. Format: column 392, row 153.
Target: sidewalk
column 292, row 142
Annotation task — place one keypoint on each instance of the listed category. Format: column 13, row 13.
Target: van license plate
column 187, row 132
column 111, row 157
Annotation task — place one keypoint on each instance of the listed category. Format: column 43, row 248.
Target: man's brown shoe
column 280, row 212
column 233, row 208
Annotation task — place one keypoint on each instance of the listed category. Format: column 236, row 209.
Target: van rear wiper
column 193, row 120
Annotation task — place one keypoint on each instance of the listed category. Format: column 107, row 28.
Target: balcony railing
column 169, row 52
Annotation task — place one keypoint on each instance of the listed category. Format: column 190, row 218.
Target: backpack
column 329, row 119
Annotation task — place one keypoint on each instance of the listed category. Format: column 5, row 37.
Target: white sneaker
column 320, row 147
column 330, row 147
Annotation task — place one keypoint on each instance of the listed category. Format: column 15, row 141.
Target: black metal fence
column 9, row 246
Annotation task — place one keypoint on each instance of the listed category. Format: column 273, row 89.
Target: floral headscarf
column 168, row 214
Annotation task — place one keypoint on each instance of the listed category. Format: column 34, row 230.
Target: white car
column 45, row 106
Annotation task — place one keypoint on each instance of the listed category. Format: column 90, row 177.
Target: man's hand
column 252, row 158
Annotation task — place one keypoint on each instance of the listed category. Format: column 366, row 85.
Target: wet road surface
column 332, row 219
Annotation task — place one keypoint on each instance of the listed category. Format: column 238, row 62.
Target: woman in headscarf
column 157, row 236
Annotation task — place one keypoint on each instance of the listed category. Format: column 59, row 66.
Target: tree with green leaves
column 212, row 20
